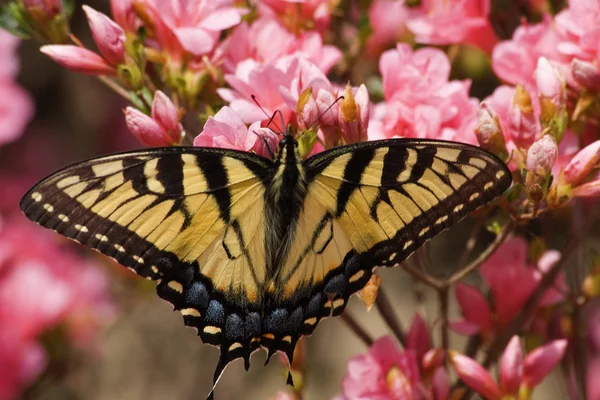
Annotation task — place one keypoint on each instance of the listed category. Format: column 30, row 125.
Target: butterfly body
column 255, row 252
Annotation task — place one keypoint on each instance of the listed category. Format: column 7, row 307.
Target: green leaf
column 9, row 20
column 68, row 7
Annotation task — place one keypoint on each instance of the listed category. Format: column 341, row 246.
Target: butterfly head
column 288, row 150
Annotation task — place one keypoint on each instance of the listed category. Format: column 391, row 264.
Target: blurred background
column 105, row 333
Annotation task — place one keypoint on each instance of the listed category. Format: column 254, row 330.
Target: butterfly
column 253, row 251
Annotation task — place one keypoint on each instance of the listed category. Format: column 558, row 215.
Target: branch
column 481, row 258
column 547, row 280
column 356, row 328
column 384, row 306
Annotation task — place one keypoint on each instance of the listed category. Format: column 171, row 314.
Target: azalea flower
column 441, row 22
column 161, row 128
column 420, row 101
column 511, row 280
column 227, row 130
column 383, row 373
column 518, row 373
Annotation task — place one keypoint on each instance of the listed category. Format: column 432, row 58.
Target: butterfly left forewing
column 190, row 218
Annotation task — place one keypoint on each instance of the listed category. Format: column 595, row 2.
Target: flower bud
column 44, row 20
column 124, row 14
column 589, row 189
column 551, row 84
column 489, row 133
column 542, row 155
column 354, row 114
column 109, row 37
column 541, row 361
column 586, row 74
column 582, row 164
column 307, row 111
column 559, row 194
column 78, row 59
column 522, row 120
column 160, row 129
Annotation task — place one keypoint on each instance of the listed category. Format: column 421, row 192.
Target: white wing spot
column 488, row 185
column 407, row 244
column 154, row 269
column 48, row 207
column 212, row 330
column 337, row 303
column 500, row 174
column 192, row 312
column 81, row 228
column 101, row 238
column 36, row 196
column 474, row 196
column 424, row 231
column 176, row 286
column 356, row 277
column 459, row 207
column 392, row 256
column 63, row 217
column 234, row 346
column 138, row 259
column 441, row 220
column 120, row 248
column 310, row 321
column 287, row 338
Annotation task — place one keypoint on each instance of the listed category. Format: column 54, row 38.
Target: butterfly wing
column 190, row 218
column 373, row 204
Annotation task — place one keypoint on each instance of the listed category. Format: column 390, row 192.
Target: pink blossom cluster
column 44, row 284
column 16, row 108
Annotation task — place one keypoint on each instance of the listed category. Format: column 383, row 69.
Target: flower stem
column 355, row 327
column 384, row 306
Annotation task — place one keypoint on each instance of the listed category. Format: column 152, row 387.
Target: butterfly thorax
column 284, row 198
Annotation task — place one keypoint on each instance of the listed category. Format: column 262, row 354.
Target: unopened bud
column 586, row 74
column 489, row 133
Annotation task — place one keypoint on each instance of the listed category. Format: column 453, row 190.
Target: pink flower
column 16, row 107
column 509, row 278
column 441, row 22
column 516, row 372
column 162, row 128
column 388, row 20
column 550, row 83
column 195, row 25
column 109, row 37
column 586, row 74
column 16, row 110
column 489, row 133
column 517, row 116
column 354, row 114
column 542, row 155
column 227, row 130
column 78, row 59
column 298, row 15
column 515, row 60
column 419, row 99
column 42, row 285
column 579, row 30
column 124, row 15
column 266, row 41
column 49, row 8
column 264, row 83
column 383, row 373
column 582, row 164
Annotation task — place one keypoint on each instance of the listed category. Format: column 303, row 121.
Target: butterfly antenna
column 320, row 115
column 272, row 117
column 271, row 153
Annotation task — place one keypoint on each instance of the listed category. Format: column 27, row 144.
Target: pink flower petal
column 78, row 59
column 145, row 129
column 582, row 164
column 474, row 307
column 542, row 360
column 223, row 18
column 109, row 37
column 511, row 367
column 475, row 376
